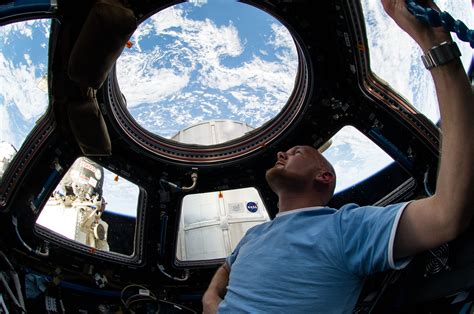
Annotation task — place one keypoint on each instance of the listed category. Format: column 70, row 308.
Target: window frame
column 208, row 262
column 137, row 256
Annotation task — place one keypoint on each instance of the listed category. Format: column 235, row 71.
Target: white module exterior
column 213, row 223
column 59, row 218
column 75, row 222
column 212, row 132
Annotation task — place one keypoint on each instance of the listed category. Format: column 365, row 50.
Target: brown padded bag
column 87, row 123
column 103, row 36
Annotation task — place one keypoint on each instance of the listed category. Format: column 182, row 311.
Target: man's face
column 295, row 168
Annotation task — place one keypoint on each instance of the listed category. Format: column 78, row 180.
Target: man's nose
column 281, row 155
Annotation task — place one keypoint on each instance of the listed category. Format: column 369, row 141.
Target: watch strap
column 441, row 54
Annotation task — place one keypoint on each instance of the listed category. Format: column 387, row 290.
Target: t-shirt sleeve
column 233, row 256
column 368, row 235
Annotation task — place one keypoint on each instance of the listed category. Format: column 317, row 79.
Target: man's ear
column 325, row 177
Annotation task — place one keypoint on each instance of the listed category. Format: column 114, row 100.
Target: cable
column 171, row 184
column 425, row 183
column 162, row 269
column 38, row 252
column 10, row 293
column 5, row 258
column 194, row 178
column 135, row 286
column 177, row 305
column 129, row 303
column 16, row 281
column 139, row 297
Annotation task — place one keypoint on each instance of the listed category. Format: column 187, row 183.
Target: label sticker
column 236, row 207
column 252, row 207
column 92, row 181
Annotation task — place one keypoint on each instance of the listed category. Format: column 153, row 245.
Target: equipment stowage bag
column 103, row 36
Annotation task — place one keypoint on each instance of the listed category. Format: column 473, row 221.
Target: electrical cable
column 426, row 185
column 7, row 261
column 38, row 252
column 162, row 270
column 177, row 305
column 16, row 281
column 134, row 286
column 171, row 184
column 139, row 297
column 194, row 178
column 10, row 292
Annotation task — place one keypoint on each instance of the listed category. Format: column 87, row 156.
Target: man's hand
column 425, row 35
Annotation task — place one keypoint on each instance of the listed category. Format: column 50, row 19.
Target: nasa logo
column 252, row 207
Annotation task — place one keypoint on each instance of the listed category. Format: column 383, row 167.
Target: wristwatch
column 441, row 54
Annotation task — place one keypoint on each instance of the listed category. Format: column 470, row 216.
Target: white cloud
column 280, row 38
column 23, row 29
column 141, row 32
column 149, row 85
column 46, row 27
column 7, row 133
column 21, row 101
column 194, row 54
column 401, row 66
column 198, row 3
column 354, row 157
column 19, row 88
column 7, row 150
column 27, row 59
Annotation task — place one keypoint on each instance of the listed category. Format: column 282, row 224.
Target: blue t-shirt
column 311, row 260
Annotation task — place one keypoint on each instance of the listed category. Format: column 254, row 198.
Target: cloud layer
column 354, row 157
column 184, row 70
column 23, row 62
column 395, row 57
column 204, row 69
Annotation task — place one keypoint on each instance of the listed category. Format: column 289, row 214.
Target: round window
column 207, row 72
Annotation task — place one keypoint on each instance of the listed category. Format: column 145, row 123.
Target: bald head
column 324, row 166
column 303, row 169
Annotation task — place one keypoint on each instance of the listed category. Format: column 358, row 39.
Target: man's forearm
column 429, row 222
column 456, row 172
column 216, row 290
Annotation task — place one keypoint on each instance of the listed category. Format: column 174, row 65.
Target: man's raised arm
column 432, row 221
column 217, row 290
